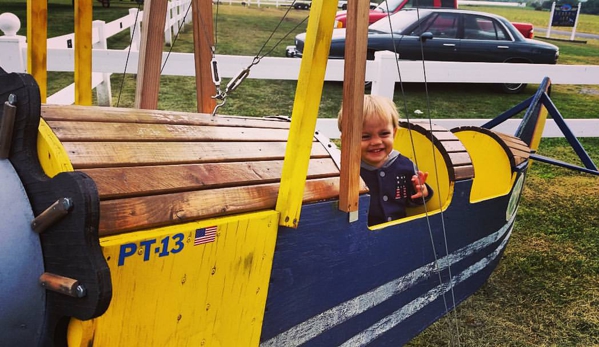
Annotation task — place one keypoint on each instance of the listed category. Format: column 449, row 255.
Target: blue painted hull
column 336, row 283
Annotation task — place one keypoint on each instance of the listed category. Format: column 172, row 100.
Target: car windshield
column 399, row 21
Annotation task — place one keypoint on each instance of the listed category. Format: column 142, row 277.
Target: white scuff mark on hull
column 387, row 323
column 332, row 317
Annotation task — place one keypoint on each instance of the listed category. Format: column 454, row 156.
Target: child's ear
column 394, row 132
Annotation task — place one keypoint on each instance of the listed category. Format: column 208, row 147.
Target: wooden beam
column 83, row 52
column 353, row 102
column 203, row 41
column 37, row 47
column 305, row 110
column 150, row 54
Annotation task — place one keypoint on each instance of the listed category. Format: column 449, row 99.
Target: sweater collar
column 390, row 159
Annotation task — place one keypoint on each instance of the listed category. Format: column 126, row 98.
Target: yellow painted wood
column 37, row 47
column 206, row 295
column 52, row 155
column 540, row 126
column 305, row 110
column 493, row 172
column 438, row 175
column 83, row 52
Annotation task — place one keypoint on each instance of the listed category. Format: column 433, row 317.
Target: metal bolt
column 80, row 290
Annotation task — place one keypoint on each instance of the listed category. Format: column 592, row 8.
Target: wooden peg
column 52, row 214
column 7, row 125
column 62, row 285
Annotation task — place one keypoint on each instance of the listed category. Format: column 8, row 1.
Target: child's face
column 377, row 141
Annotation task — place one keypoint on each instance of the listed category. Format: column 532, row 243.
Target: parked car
column 342, row 4
column 447, row 35
column 393, row 6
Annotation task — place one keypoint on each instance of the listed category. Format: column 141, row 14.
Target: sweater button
column 385, row 198
column 382, row 173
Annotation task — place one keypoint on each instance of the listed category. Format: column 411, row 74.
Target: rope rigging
column 243, row 74
column 435, row 164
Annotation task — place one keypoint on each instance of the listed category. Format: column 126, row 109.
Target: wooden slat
column 428, row 126
column 128, row 115
column 114, row 154
column 463, row 172
column 124, row 215
column 151, row 180
column 453, row 146
column 443, row 135
column 105, row 132
column 460, row 158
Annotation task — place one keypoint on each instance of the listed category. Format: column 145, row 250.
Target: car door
column 443, row 46
column 484, row 39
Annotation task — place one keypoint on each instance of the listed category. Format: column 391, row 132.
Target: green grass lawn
column 545, row 291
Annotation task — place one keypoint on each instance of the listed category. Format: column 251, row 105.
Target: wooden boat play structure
column 136, row 227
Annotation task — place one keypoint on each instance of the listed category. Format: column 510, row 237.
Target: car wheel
column 513, row 88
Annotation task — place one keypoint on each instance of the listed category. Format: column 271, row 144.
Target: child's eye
column 385, row 134
column 365, row 137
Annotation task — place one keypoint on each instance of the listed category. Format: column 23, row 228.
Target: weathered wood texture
column 156, row 168
column 517, row 150
column 459, row 164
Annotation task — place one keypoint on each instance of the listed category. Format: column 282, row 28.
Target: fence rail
column 384, row 71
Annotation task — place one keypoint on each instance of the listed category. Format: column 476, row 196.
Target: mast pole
column 353, row 102
column 150, row 54
column 305, row 111
column 203, row 41
column 37, row 47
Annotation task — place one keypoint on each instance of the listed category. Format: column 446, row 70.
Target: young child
column 393, row 180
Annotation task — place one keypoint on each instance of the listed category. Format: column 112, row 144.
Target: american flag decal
column 205, row 235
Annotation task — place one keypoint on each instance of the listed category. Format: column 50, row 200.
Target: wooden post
column 305, row 110
column 150, row 54
column 83, row 52
column 37, row 46
column 353, row 102
column 203, row 41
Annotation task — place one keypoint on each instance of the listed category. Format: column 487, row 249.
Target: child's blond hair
column 376, row 107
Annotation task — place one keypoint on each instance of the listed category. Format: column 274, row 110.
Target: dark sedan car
column 447, row 35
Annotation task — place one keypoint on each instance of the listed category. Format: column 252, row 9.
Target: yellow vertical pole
column 305, row 110
column 83, row 52
column 37, row 47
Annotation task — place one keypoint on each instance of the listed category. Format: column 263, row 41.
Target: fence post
column 135, row 30
column 178, row 14
column 385, row 74
column 168, row 23
column 103, row 90
column 186, row 5
column 12, row 45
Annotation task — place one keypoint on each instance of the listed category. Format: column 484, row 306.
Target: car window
column 400, row 21
column 444, row 25
column 419, row 3
column 483, row 28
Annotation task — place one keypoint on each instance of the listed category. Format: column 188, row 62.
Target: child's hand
column 418, row 181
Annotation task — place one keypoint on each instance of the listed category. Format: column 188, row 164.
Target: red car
column 392, row 6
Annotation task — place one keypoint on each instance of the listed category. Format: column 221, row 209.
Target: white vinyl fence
column 384, row 71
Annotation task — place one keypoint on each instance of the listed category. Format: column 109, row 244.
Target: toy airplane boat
column 127, row 227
